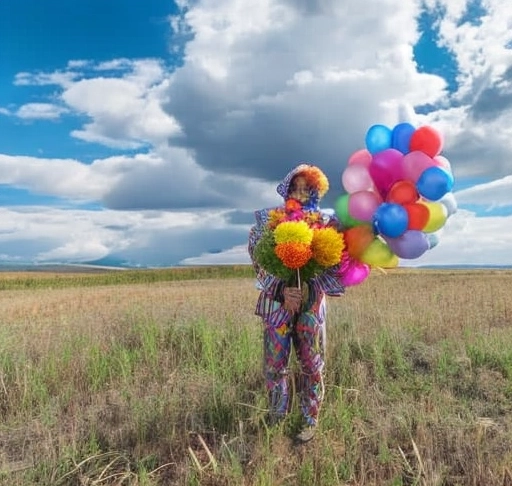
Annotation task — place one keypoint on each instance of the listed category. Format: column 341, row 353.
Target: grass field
column 154, row 378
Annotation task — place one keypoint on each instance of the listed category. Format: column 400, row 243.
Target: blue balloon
column 401, row 136
column 434, row 183
column 391, row 220
column 432, row 239
column 378, row 137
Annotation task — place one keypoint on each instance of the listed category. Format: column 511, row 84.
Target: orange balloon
column 357, row 239
column 418, row 214
column 402, row 192
column 427, row 140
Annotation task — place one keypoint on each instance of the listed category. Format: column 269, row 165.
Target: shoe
column 306, row 434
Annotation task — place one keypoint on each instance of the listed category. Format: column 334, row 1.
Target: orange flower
column 292, row 205
column 294, row 255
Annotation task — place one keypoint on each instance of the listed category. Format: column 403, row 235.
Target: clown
column 293, row 313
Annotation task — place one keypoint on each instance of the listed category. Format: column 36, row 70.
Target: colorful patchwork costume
column 304, row 330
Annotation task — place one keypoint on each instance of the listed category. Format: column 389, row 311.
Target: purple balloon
column 411, row 244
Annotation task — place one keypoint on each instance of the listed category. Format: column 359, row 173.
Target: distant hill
column 98, row 267
column 57, row 268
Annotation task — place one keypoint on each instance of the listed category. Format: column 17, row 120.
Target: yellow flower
column 327, row 246
column 293, row 231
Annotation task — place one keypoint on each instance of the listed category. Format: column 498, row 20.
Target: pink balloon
column 362, row 205
column 361, row 157
column 443, row 162
column 356, row 178
column 354, row 274
column 415, row 163
column 386, row 168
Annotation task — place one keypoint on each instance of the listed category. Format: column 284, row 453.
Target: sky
column 146, row 134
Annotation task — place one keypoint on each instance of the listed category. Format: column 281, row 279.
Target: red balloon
column 403, row 192
column 418, row 215
column 426, row 139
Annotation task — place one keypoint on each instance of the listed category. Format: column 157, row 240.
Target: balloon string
column 298, row 278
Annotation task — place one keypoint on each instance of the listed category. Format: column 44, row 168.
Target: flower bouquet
column 298, row 244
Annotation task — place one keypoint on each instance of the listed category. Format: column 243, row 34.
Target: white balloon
column 449, row 202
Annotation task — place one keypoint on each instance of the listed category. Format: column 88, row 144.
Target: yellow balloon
column 378, row 254
column 438, row 215
column 392, row 263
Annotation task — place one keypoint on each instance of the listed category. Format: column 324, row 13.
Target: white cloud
column 167, row 178
column 78, row 64
column 478, row 131
column 114, row 64
column 237, row 255
column 124, row 107
column 58, row 78
column 142, row 237
column 40, row 111
column 65, row 178
column 126, row 112
column 493, row 194
column 296, row 73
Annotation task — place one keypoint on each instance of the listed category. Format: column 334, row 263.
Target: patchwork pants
column 305, row 332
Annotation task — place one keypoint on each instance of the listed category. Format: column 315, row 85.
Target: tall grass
column 94, row 277
column 159, row 382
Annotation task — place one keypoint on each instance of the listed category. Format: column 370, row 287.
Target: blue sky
column 147, row 133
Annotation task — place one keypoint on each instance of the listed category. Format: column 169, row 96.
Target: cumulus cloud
column 272, row 89
column 40, row 111
column 478, row 138
column 167, row 179
column 497, row 193
column 75, row 181
column 125, row 112
column 147, row 238
column 317, row 103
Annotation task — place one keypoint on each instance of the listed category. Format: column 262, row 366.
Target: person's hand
column 292, row 299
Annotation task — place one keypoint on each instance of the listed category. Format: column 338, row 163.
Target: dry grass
column 160, row 383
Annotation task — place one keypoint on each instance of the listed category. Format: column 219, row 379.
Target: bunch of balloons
column 398, row 195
